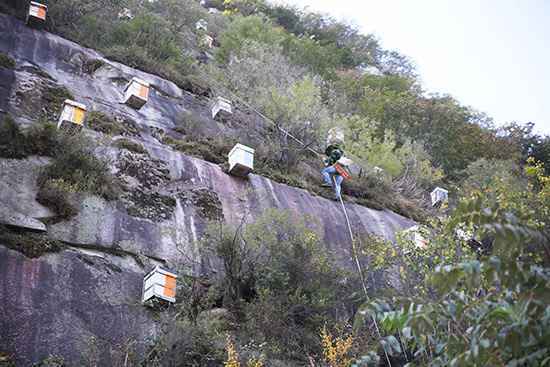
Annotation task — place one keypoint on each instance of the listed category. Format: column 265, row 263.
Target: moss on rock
column 105, row 124
column 6, row 62
column 131, row 146
column 30, row 244
column 52, row 100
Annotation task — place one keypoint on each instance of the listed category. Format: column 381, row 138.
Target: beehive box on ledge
column 72, row 117
column 241, row 160
column 439, row 196
column 201, row 25
column 159, row 284
column 222, row 108
column 36, row 16
column 136, row 93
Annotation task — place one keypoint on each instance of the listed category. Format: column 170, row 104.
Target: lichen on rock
column 206, row 201
column 143, row 177
column 149, row 205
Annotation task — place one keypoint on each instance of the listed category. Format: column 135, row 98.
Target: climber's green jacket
column 334, row 153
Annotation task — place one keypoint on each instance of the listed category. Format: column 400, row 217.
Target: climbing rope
column 360, row 269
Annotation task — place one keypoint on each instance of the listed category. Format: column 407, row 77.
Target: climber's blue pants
column 330, row 172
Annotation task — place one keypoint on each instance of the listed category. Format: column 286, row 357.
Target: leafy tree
column 486, row 308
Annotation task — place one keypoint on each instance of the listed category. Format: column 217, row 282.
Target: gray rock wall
column 55, row 303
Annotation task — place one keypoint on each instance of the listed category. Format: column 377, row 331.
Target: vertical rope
column 360, row 269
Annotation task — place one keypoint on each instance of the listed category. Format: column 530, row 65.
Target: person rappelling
column 335, row 171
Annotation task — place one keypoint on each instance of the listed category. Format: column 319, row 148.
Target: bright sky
column 493, row 55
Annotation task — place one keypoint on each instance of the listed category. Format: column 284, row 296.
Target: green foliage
column 6, row 62
column 131, row 146
column 13, row 143
column 248, row 29
column 29, row 243
column 478, row 310
column 279, row 281
column 103, row 123
column 186, row 345
column 213, row 150
column 74, row 168
column 39, row 139
column 79, row 169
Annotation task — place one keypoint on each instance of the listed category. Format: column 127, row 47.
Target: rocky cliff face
column 91, row 286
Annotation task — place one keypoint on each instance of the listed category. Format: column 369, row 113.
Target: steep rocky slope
column 90, row 285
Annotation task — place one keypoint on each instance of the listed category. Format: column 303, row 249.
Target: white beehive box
column 221, row 108
column 414, row 234
column 136, row 93
column 72, row 117
column 439, row 195
column 159, row 284
column 241, row 160
column 37, row 14
column 335, row 136
column 126, row 14
column 201, row 25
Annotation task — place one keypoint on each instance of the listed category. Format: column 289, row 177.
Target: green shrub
column 76, row 165
column 213, row 150
column 13, row 143
column 6, row 61
column 131, row 146
column 74, row 168
column 52, row 101
column 103, row 123
column 39, row 139
column 187, row 345
column 55, row 194
column 279, row 282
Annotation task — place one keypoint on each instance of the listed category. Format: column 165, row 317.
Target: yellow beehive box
column 159, row 284
column 136, row 93
column 221, row 108
column 72, row 117
column 36, row 15
column 241, row 160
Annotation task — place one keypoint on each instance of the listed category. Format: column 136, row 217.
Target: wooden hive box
column 241, row 160
column 201, row 25
column 439, row 195
column 36, row 16
column 159, row 284
column 72, row 117
column 136, row 93
column 222, row 108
